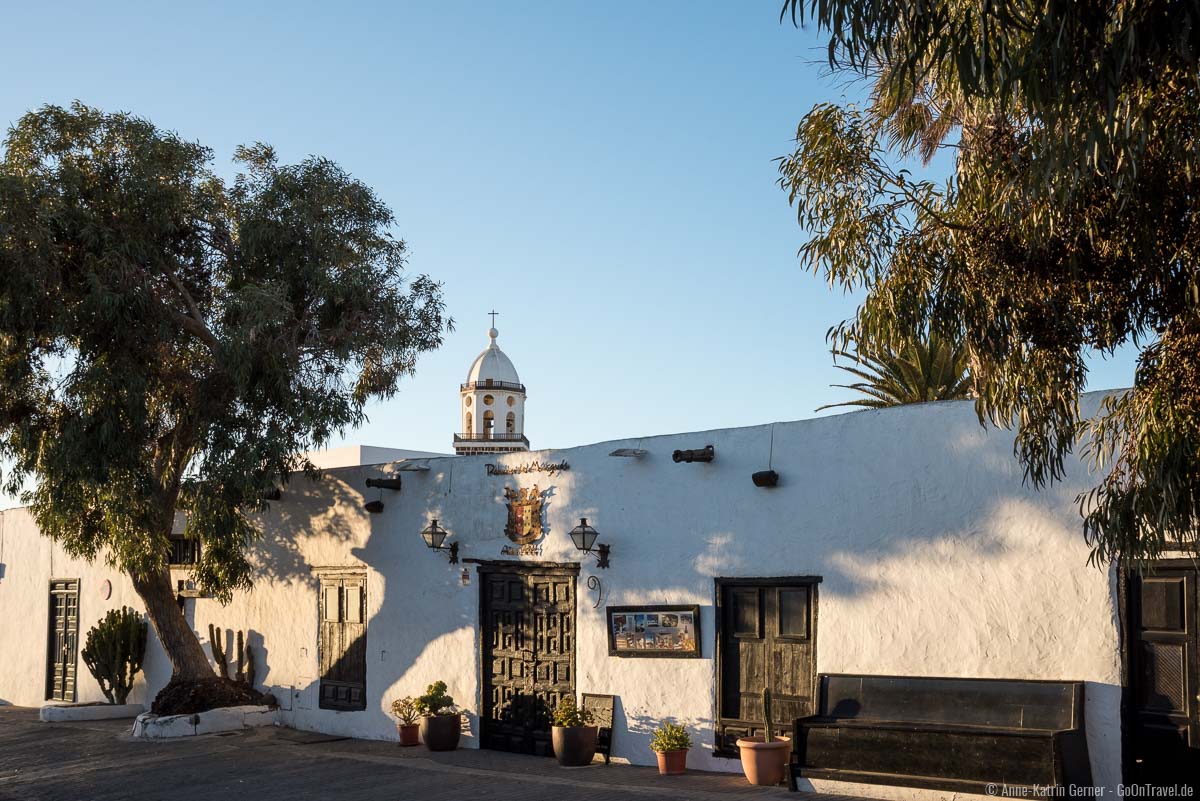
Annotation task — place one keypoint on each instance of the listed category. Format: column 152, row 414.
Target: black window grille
column 184, row 551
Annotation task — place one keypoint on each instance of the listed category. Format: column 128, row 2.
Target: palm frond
column 921, row 370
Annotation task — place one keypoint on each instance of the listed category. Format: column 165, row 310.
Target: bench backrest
column 1008, row 703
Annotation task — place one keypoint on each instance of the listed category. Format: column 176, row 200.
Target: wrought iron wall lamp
column 584, row 537
column 435, row 537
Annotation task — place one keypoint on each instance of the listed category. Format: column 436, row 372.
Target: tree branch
column 194, row 320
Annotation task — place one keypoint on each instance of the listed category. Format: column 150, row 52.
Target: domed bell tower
column 491, row 404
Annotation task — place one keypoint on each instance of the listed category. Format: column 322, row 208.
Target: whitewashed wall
column 935, row 560
column 29, row 562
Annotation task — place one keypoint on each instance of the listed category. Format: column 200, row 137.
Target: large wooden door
column 766, row 640
column 528, row 653
column 342, row 641
column 62, row 648
column 1164, row 673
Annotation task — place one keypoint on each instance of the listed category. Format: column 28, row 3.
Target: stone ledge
column 64, row 713
column 230, row 718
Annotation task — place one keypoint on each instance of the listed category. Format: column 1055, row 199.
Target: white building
column 900, row 542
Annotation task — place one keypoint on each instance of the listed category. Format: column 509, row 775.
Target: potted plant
column 764, row 759
column 572, row 734
column 441, row 722
column 405, row 711
column 671, row 743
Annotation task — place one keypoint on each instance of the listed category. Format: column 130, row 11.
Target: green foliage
column 568, row 713
column 172, row 343
column 1093, row 82
column 114, row 650
column 435, row 701
column 405, row 710
column 670, row 737
column 918, row 371
column 1067, row 228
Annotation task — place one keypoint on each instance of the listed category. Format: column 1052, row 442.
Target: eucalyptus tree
column 1068, row 225
column 918, row 371
column 173, row 343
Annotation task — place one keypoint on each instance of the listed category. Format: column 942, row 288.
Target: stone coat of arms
column 524, row 514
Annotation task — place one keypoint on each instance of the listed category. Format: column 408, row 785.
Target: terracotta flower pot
column 764, row 763
column 409, row 733
column 672, row 763
column 441, row 732
column 574, row 746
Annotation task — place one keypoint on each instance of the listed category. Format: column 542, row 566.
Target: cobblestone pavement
column 98, row 761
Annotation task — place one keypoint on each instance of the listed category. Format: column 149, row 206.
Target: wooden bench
column 945, row 734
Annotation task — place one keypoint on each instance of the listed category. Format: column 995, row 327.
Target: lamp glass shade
column 434, row 535
column 583, row 535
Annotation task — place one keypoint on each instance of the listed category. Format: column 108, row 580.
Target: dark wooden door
column 1164, row 674
column 528, row 639
column 766, row 640
column 342, row 641
column 62, row 649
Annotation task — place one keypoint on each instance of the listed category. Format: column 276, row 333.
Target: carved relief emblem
column 524, row 514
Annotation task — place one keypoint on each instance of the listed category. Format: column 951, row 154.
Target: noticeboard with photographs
column 654, row 631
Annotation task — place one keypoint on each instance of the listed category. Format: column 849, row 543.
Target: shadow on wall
column 253, row 661
column 868, row 491
column 328, row 507
column 262, row 655
column 324, row 521
column 632, row 733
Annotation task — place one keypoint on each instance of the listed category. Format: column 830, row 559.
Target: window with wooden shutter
column 765, row 641
column 342, row 641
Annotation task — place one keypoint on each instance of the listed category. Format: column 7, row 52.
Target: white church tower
column 492, row 404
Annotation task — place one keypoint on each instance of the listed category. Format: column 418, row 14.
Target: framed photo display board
column 655, row 631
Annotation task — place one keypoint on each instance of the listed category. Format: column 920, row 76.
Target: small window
column 467, row 429
column 468, row 401
column 354, row 603
column 510, row 423
column 332, row 613
column 747, row 623
column 184, row 551
column 488, row 400
column 511, row 401
column 793, row 613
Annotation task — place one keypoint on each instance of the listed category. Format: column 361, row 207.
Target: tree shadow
column 889, row 508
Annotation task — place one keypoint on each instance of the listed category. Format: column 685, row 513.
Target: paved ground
column 98, row 761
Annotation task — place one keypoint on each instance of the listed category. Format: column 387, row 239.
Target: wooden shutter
column 1165, row 670
column 342, row 641
column 765, row 640
column 63, row 646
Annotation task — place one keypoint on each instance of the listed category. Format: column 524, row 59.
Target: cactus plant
column 769, row 732
column 114, row 651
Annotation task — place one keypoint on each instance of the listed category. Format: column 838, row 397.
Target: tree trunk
column 178, row 640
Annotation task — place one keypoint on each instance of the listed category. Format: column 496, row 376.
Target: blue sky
column 599, row 173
